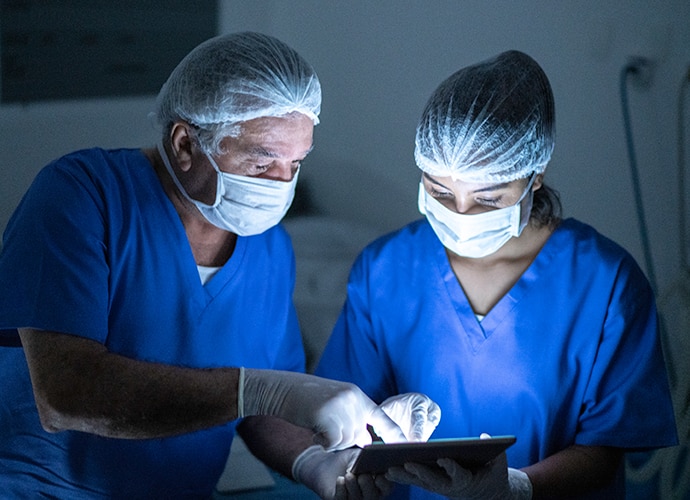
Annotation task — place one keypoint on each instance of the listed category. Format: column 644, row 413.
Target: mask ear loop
column 220, row 185
column 528, row 190
column 166, row 161
column 529, row 187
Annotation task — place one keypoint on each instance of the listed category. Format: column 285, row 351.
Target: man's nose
column 281, row 171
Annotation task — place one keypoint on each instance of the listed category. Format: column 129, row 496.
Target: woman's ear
column 538, row 182
column 181, row 141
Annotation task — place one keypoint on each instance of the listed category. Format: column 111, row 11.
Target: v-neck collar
column 479, row 331
column 203, row 294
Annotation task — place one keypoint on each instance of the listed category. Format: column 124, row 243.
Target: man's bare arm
column 79, row 385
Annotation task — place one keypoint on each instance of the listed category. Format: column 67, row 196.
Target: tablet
column 376, row 458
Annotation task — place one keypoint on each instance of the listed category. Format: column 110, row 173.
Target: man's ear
column 181, row 141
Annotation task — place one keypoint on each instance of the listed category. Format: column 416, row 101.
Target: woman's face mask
column 243, row 205
column 476, row 235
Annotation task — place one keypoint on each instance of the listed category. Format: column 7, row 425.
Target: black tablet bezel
column 472, row 453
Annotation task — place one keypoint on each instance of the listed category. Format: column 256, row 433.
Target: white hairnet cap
column 490, row 122
column 238, row 77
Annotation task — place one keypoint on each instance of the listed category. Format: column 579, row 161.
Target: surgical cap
column 490, row 122
column 238, row 77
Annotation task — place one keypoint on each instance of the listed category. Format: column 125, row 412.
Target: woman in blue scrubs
column 514, row 320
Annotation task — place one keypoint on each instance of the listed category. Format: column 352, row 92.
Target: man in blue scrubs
column 514, row 321
column 151, row 291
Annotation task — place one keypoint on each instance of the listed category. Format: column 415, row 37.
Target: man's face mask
column 243, row 205
column 476, row 235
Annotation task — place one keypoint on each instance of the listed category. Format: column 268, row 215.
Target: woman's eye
column 489, row 202
column 440, row 194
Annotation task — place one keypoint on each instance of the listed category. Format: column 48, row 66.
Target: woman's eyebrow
column 493, row 187
column 434, row 181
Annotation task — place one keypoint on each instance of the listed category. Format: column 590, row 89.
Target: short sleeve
column 627, row 401
column 53, row 269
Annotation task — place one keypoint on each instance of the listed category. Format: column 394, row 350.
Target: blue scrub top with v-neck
column 570, row 355
column 96, row 249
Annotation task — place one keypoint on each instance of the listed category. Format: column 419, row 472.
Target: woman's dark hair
column 546, row 207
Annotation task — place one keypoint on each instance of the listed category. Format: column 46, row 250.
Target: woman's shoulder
column 581, row 233
column 589, row 245
column 400, row 251
column 409, row 237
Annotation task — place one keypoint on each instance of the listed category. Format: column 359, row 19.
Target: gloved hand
column 494, row 481
column 415, row 413
column 337, row 412
column 327, row 473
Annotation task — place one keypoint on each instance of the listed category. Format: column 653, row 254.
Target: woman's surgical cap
column 490, row 122
column 238, row 77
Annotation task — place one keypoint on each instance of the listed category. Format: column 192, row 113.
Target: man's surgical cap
column 238, row 77
column 490, row 122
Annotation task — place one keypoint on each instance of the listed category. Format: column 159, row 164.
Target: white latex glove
column 415, row 413
column 337, row 412
column 327, row 473
column 494, row 481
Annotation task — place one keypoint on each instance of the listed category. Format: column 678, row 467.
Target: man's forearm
column 79, row 385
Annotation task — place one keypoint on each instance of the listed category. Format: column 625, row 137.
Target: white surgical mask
column 476, row 235
column 243, row 205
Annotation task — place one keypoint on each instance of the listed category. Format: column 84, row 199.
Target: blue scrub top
column 570, row 355
column 97, row 249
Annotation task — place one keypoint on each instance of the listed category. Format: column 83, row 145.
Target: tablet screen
column 376, row 458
